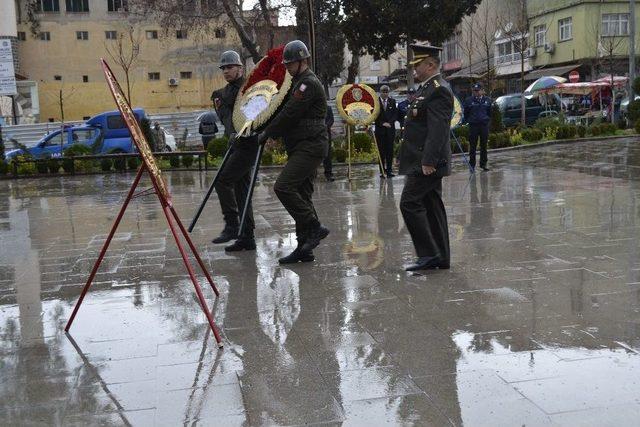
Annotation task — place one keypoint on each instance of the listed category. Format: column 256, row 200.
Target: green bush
column 633, row 110
column 4, row 168
column 68, row 165
column 464, row 143
column 120, row 163
column 53, row 165
column 187, row 161
column 637, row 126
column 41, row 166
column 594, row 129
column 496, row 124
column 174, row 161
column 26, row 165
column 217, row 147
column 77, row 150
column 581, row 130
column 340, row 155
column 608, row 129
column 462, row 132
column 105, row 165
column 499, row 140
column 545, row 123
column 566, row 132
column 362, row 142
column 133, row 163
column 267, row 158
column 532, row 134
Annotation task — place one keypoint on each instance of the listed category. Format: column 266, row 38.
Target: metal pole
column 632, row 47
column 247, row 201
column 312, row 34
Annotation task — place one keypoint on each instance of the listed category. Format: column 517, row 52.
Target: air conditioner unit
column 173, row 81
column 531, row 52
column 549, row 47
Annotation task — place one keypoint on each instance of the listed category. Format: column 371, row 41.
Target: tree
column 377, row 27
column 329, row 42
column 483, row 31
column 124, row 51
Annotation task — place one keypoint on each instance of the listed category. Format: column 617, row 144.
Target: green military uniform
column 426, row 142
column 234, row 179
column 301, row 122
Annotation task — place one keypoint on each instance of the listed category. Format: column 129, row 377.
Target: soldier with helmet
column 301, row 122
column 234, row 179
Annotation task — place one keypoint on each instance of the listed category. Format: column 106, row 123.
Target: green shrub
column 340, row 155
column 581, row 130
column 362, row 142
column 105, row 165
column 621, row 123
column 26, row 165
column 41, row 166
column 53, row 165
column 267, row 158
column 545, row 123
column 174, row 161
column 566, row 132
column 499, row 140
column 462, row 132
column 133, row 163
column 608, row 129
column 637, row 126
column 496, row 124
column 532, row 134
column 633, row 110
column 594, row 129
column 217, row 147
column 187, row 161
column 4, row 168
column 68, row 165
column 77, row 150
column 464, row 143
column 119, row 163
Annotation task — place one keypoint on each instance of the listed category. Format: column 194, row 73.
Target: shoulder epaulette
column 436, row 83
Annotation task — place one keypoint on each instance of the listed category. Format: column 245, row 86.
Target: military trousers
column 385, row 137
column 294, row 188
column 233, row 184
column 425, row 216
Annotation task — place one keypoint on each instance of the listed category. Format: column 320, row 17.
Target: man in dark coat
column 386, row 129
column 477, row 113
column 234, row 179
column 425, row 157
column 301, row 122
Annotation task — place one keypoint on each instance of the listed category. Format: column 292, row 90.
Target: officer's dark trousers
column 426, row 218
column 385, row 138
column 476, row 131
column 294, row 188
column 233, row 185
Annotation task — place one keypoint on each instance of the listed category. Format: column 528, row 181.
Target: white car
column 169, row 141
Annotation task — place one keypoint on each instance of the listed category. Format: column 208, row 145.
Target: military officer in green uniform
column 425, row 158
column 301, row 121
column 234, row 180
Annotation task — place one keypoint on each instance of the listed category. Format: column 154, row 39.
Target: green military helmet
column 230, row 57
column 295, row 51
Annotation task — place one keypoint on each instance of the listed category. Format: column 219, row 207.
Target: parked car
column 511, row 109
column 105, row 133
column 169, row 141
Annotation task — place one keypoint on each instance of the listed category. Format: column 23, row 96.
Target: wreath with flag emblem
column 357, row 104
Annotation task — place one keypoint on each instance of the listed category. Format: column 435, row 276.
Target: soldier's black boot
column 242, row 244
column 298, row 255
column 229, row 233
column 317, row 233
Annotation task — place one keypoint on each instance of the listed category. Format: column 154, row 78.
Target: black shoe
column 428, row 263
column 313, row 239
column 298, row 255
column 484, row 168
column 242, row 245
column 383, row 176
column 228, row 233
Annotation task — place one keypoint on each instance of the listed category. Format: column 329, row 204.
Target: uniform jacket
column 403, row 108
column 390, row 115
column 477, row 110
column 227, row 97
column 301, row 120
column 427, row 129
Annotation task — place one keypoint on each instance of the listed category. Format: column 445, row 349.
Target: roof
column 475, row 71
column 555, row 71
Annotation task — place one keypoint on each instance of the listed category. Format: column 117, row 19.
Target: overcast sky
column 287, row 17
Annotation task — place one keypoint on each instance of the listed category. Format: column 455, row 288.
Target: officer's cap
column 411, row 91
column 477, row 86
column 421, row 52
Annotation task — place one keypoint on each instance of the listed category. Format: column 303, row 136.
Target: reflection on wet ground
column 537, row 322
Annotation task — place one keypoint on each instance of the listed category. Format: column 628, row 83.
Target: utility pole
column 632, row 47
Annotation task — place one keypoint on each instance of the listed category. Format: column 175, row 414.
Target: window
column 540, row 35
column 451, row 49
column 57, row 138
column 154, row 76
column 117, row 6
column 22, row 36
column 84, row 136
column 48, row 6
column 565, row 29
column 110, row 35
column 508, row 51
column 45, row 36
column 185, row 74
column 375, row 66
column 82, row 35
column 220, row 33
column 85, row 79
column 615, row 24
column 57, row 78
column 152, row 35
column 181, row 34
column 77, row 5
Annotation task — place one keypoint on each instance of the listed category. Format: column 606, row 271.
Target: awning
column 582, row 88
column 476, row 71
column 556, row 71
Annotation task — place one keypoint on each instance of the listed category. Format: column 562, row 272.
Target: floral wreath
column 357, row 104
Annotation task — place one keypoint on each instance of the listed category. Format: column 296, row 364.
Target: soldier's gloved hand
column 262, row 137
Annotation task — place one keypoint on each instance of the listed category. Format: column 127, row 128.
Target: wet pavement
column 536, row 323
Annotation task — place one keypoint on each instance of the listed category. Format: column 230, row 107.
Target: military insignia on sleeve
column 303, row 87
